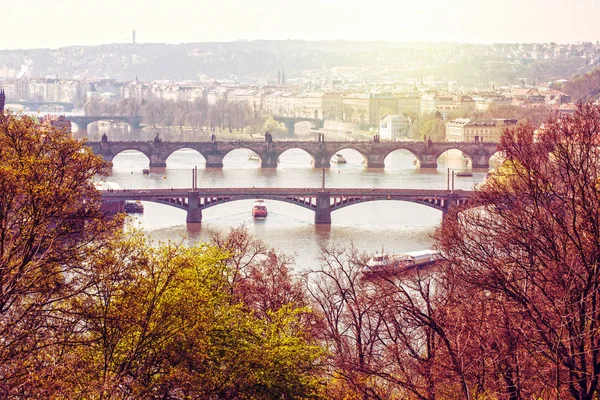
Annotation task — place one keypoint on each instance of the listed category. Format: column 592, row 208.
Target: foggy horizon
column 65, row 23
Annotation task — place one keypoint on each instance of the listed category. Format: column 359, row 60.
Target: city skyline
column 41, row 24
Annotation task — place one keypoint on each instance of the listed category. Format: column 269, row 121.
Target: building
column 409, row 104
column 446, row 105
column 2, row 100
column 394, row 127
column 332, row 106
column 472, row 130
column 57, row 121
column 357, row 108
column 485, row 103
column 382, row 105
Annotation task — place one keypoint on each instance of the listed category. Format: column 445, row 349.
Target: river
column 390, row 226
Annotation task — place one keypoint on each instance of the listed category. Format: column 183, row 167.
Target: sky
column 57, row 23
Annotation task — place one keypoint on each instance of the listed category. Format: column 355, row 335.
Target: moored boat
column 464, row 173
column 253, row 156
column 396, row 263
column 338, row 159
column 259, row 210
column 133, row 207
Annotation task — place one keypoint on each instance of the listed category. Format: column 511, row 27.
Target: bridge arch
column 478, row 156
column 454, row 158
column 139, row 159
column 185, row 158
column 432, row 203
column 98, row 126
column 300, row 152
column 396, row 159
column 242, row 155
column 497, row 159
column 290, row 122
column 76, row 127
column 347, row 149
column 242, row 158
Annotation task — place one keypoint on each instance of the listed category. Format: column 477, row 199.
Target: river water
column 390, row 226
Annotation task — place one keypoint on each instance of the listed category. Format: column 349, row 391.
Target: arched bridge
column 374, row 153
column 43, row 105
column 321, row 201
column 290, row 122
column 82, row 121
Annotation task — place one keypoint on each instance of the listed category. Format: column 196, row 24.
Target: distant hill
column 583, row 87
column 258, row 61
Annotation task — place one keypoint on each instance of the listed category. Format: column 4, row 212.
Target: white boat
column 338, row 159
column 253, row 156
column 394, row 263
column 464, row 173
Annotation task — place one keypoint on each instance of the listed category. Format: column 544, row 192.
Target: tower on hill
column 2, row 99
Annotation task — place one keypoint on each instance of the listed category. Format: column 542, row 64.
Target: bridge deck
column 140, row 194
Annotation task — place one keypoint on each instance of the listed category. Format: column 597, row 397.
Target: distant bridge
column 374, row 153
column 321, row 201
column 82, row 121
column 56, row 106
column 290, row 122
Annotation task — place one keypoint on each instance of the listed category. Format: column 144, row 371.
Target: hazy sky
column 55, row 23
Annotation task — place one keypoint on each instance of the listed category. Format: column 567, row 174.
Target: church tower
column 2, row 100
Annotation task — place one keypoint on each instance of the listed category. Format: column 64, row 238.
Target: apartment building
column 477, row 130
column 394, row 127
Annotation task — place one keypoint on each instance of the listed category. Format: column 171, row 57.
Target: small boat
column 464, row 173
column 260, row 209
column 253, row 156
column 338, row 159
column 134, row 207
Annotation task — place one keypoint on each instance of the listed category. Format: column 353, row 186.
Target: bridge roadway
column 374, row 153
column 321, row 201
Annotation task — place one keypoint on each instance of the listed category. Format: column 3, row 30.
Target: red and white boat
column 260, row 209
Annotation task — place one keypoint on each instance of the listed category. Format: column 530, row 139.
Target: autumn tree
column 50, row 221
column 531, row 244
column 525, row 115
column 391, row 336
column 260, row 277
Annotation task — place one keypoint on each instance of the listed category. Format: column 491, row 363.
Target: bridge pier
column 323, row 211
column 291, row 126
column 268, row 160
column 322, row 160
column 481, row 161
column 157, row 161
column 194, row 213
column 449, row 203
column 428, row 161
column 214, row 160
column 375, row 161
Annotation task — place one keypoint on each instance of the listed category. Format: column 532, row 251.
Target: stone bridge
column 321, row 201
column 39, row 105
column 82, row 121
column 290, row 122
column 374, row 153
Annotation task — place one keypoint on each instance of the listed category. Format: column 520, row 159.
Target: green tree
column 273, row 126
column 50, row 221
column 429, row 126
column 163, row 322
